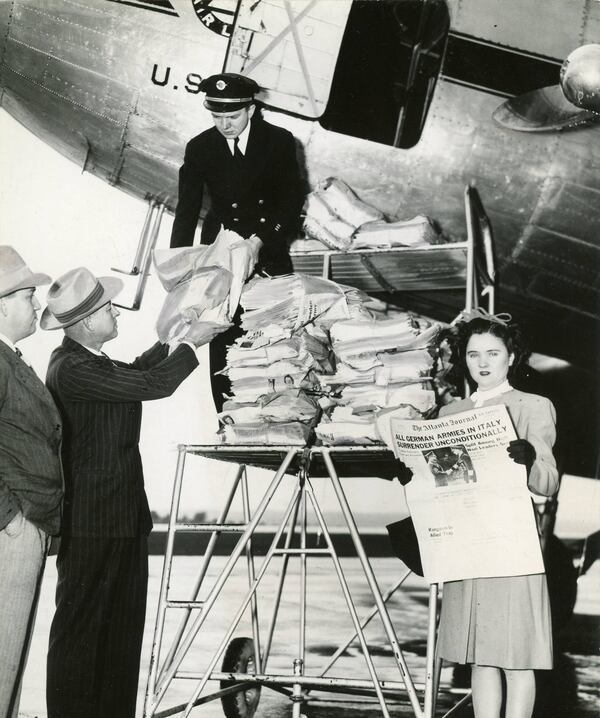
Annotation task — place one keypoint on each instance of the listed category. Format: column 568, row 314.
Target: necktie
column 237, row 153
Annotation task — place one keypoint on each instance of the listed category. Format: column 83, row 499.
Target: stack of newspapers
column 274, row 367
column 335, row 218
column 381, row 365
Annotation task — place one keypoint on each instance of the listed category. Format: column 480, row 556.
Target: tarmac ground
column 571, row 690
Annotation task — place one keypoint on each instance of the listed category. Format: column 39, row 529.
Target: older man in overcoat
column 96, row 633
column 31, row 482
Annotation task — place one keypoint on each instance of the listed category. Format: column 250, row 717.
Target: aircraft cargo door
column 290, row 49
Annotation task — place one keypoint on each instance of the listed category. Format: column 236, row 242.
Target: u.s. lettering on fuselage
column 161, row 77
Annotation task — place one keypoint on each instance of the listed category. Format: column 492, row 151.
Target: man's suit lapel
column 26, row 376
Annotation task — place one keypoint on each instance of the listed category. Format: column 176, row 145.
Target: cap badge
column 221, row 85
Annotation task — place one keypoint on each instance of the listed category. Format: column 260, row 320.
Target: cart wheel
column 239, row 658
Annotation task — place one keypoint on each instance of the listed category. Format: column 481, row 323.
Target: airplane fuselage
column 114, row 86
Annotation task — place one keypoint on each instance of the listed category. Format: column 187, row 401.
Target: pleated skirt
column 502, row 622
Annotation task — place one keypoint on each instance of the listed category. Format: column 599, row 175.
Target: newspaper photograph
column 469, row 500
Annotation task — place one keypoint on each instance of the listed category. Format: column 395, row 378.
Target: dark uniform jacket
column 31, row 479
column 263, row 195
column 100, row 401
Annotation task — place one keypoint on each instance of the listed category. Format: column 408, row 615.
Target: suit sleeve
column 541, row 433
column 99, row 379
column 191, row 185
column 151, row 357
column 9, row 504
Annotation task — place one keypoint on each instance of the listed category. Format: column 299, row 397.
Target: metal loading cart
column 240, row 665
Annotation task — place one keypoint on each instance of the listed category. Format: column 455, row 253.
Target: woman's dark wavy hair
column 510, row 335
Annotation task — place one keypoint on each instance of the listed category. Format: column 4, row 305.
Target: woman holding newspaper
column 501, row 626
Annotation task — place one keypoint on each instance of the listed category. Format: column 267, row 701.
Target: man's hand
column 404, row 473
column 201, row 333
column 522, row 452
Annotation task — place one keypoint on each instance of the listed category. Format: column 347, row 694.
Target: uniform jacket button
column 261, row 201
column 236, row 219
column 234, row 205
column 262, row 220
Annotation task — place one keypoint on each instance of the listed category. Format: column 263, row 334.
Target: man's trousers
column 23, row 549
column 97, row 630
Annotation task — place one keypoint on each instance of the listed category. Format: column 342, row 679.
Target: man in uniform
column 252, row 175
column 31, row 481
column 96, row 634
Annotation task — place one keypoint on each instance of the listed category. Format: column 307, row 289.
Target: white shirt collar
column 8, row 342
column 242, row 140
column 481, row 395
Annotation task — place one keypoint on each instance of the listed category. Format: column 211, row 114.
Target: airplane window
column 387, row 68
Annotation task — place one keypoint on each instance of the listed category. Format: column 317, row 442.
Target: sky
column 59, row 218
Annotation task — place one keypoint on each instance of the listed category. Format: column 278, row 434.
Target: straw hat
column 15, row 274
column 76, row 295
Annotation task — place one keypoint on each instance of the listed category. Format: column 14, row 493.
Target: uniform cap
column 228, row 92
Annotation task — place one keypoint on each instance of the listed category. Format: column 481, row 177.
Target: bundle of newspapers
column 382, row 365
column 274, row 367
column 319, row 356
column 337, row 219
column 203, row 284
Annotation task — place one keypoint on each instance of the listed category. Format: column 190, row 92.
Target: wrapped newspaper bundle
column 294, row 300
column 333, row 213
column 295, row 326
column 324, row 225
column 337, row 219
column 381, row 365
column 274, row 366
column 407, row 233
column 280, row 407
column 204, row 283
column 399, row 367
column 293, row 433
column 255, row 349
column 346, row 427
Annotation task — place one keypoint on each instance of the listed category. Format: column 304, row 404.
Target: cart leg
column 227, row 569
column 297, row 696
column 202, row 572
column 149, row 704
column 349, row 602
column 216, row 590
column 251, row 574
column 436, row 680
column 430, row 682
column 370, row 576
column 302, row 631
column 278, row 592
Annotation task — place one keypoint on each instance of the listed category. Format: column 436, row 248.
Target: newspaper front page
column 469, row 500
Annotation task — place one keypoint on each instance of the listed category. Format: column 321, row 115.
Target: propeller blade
column 542, row 110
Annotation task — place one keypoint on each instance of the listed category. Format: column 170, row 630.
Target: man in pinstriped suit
column 31, row 482
column 96, row 634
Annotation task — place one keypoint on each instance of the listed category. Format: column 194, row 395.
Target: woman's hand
column 522, row 452
column 404, row 473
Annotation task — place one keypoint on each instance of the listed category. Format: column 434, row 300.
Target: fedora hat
column 15, row 274
column 76, row 295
